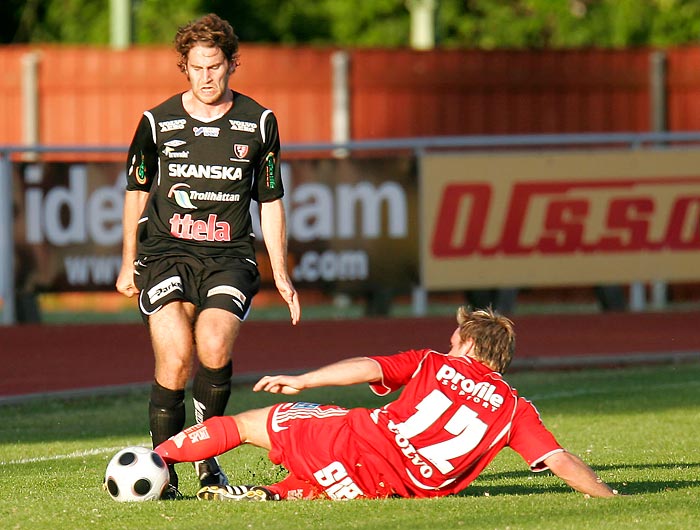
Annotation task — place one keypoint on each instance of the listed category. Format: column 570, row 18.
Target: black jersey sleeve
column 268, row 178
column 142, row 162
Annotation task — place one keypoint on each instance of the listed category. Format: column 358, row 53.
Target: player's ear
column 467, row 347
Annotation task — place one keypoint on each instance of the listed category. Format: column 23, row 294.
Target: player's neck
column 207, row 111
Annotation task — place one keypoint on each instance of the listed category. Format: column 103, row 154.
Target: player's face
column 208, row 72
column 459, row 348
column 455, row 343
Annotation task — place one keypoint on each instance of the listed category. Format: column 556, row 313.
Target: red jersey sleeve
column 530, row 438
column 397, row 370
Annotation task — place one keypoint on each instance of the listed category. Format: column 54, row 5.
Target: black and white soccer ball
column 136, row 474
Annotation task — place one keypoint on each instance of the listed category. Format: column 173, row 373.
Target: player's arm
column 274, row 229
column 342, row 373
column 134, row 203
column 141, row 169
column 577, row 474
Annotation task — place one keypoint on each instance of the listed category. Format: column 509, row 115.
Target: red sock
column 199, row 442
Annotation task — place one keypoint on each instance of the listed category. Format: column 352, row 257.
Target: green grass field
column 638, row 427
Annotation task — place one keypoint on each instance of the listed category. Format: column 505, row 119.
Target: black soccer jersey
column 201, row 177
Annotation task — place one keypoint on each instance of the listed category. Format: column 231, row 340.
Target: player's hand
column 125, row 282
column 279, row 384
column 289, row 295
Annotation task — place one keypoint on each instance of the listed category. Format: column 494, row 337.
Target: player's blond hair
column 210, row 30
column 493, row 336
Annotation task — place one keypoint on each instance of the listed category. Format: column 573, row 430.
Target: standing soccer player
column 454, row 414
column 195, row 163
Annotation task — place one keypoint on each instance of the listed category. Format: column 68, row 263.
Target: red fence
column 94, row 96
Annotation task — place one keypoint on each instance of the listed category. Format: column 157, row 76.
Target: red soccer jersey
column 451, row 419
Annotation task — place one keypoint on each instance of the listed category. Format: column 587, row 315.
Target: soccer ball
column 136, row 474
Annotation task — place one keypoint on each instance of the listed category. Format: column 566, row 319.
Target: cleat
column 210, row 473
column 236, row 493
column 170, row 493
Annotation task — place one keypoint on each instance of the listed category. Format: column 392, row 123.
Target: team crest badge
column 240, row 150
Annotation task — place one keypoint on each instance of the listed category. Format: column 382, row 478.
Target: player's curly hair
column 493, row 336
column 210, row 30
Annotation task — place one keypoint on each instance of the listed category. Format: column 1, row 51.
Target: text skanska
column 199, row 171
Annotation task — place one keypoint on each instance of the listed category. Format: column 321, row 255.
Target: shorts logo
column 238, row 297
column 302, row 410
column 338, row 484
column 164, row 288
column 276, row 419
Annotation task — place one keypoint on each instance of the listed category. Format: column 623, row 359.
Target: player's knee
column 214, row 351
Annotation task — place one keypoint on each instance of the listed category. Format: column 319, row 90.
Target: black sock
column 210, row 391
column 166, row 413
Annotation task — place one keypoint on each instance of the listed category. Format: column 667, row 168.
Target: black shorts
column 224, row 283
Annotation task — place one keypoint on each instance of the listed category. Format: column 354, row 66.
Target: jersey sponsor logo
column 570, row 218
column 210, row 132
column 409, row 451
column 172, row 125
column 334, row 479
column 214, row 196
column 483, row 393
column 454, row 429
column 245, row 126
column 199, row 171
column 174, row 143
column 184, row 227
column 171, row 153
column 184, row 196
column 241, row 151
column 181, row 196
column 164, row 288
column 271, row 170
column 138, row 172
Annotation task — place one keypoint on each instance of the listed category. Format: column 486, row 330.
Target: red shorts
column 318, row 444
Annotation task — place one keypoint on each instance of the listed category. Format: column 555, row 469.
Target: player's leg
column 252, row 428
column 215, row 332
column 226, row 292
column 216, row 436
column 171, row 336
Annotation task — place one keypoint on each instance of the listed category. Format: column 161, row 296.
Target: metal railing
column 651, row 140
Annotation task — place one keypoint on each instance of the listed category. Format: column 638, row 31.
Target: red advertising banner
column 559, row 219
